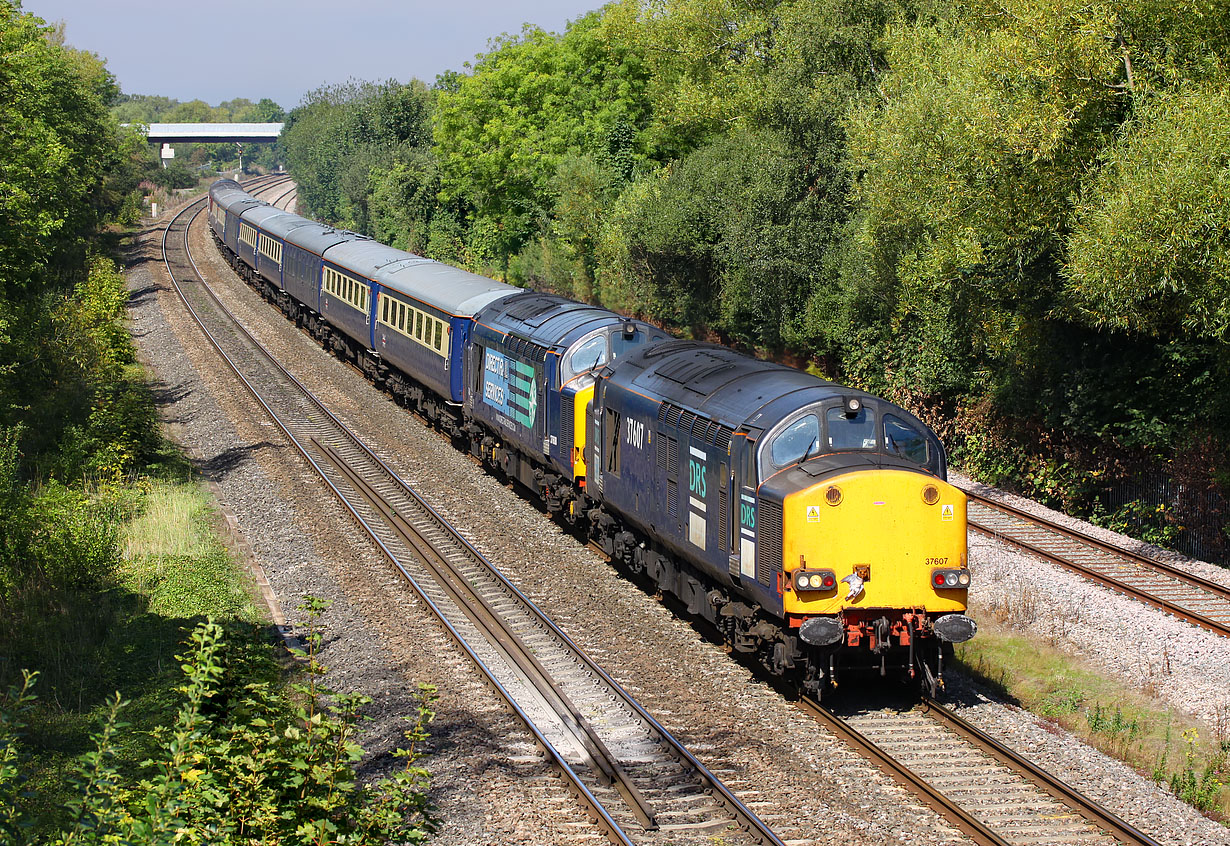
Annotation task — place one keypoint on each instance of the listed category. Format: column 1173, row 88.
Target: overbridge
column 213, row 133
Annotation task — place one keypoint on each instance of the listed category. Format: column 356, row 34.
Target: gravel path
column 381, row 642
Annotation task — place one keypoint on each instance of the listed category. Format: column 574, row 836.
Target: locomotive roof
column 723, row 385
column 545, row 319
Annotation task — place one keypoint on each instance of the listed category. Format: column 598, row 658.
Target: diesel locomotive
column 810, row 523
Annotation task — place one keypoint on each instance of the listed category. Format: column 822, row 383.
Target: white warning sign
column 947, row 513
column 813, row 514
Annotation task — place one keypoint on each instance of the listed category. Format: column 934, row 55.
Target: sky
column 310, row 43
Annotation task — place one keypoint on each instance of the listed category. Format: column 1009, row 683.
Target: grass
column 1188, row 757
column 173, row 557
column 172, row 572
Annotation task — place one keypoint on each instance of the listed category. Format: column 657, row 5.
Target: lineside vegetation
column 140, row 701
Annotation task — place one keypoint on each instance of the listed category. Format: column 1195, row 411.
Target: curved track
column 626, row 768
column 990, row 793
column 1197, row 600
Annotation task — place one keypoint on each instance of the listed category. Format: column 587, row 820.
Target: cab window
column 796, row 442
column 589, row 355
column 856, row 431
column 621, row 343
column 900, row 438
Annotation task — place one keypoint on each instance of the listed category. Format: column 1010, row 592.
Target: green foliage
column 723, row 239
column 175, row 175
column 59, row 141
column 1199, row 786
column 238, row 764
column 81, row 400
column 533, row 102
column 1148, row 251
column 15, row 704
column 1119, row 728
column 358, row 152
column 705, row 64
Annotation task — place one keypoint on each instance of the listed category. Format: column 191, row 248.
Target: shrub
column 239, row 764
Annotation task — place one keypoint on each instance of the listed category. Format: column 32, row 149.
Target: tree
column 343, row 143
column 59, row 141
column 1148, row 250
column 530, row 102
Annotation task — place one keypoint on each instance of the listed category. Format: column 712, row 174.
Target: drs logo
column 696, row 478
column 747, row 516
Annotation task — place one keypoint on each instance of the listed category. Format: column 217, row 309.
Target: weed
column 1062, row 702
column 247, row 767
column 1120, row 730
column 1202, row 791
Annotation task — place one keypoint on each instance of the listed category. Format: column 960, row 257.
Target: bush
column 239, row 764
column 174, row 175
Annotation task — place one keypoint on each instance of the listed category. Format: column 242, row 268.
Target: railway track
column 987, row 791
column 1189, row 597
column 630, row 774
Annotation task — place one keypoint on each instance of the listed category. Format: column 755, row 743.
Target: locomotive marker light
column 950, row 578
column 815, row 580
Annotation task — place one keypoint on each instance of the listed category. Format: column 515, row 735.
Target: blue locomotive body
column 529, row 360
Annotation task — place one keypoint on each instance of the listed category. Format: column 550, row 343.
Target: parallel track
column 1187, row 596
column 987, row 791
column 626, row 768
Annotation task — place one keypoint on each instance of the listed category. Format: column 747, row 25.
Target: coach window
column 850, row 431
column 439, row 345
column 796, row 442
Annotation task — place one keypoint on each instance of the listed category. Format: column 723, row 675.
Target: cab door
column 743, row 507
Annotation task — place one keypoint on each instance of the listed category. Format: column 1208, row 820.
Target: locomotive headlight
column 833, row 495
column 930, row 494
column 963, row 578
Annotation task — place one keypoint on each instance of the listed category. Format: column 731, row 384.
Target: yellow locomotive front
column 874, row 568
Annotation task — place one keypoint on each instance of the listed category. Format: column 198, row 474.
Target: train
column 811, row 524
